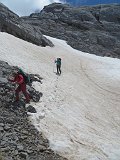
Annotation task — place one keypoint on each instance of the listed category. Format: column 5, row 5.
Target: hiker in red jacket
column 19, row 79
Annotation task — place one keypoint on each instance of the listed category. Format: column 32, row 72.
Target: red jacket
column 18, row 78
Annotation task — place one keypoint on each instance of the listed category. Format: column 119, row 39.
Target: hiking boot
column 27, row 101
column 30, row 96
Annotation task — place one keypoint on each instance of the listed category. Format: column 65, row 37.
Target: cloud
column 27, row 7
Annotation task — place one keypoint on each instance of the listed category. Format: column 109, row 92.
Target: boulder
column 31, row 109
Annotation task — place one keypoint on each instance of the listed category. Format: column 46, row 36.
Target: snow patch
column 80, row 110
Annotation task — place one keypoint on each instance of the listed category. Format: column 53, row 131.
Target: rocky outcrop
column 12, row 24
column 93, row 29
column 19, row 139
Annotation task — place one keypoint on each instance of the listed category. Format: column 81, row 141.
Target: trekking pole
column 54, row 67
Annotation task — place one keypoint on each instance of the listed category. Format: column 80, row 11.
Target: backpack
column 25, row 76
column 58, row 61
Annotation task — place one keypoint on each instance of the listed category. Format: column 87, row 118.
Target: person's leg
column 23, row 88
column 60, row 69
column 17, row 91
column 57, row 69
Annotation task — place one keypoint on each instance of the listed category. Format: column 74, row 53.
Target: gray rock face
column 12, row 24
column 93, row 29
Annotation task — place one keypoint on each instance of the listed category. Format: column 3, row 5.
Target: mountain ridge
column 92, row 29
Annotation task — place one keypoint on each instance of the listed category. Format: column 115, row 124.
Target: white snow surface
column 80, row 110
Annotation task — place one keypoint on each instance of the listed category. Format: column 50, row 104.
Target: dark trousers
column 58, row 69
column 22, row 87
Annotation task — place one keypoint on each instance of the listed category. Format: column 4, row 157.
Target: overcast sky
column 26, row 7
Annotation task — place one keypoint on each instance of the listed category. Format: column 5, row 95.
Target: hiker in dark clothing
column 19, row 79
column 58, row 65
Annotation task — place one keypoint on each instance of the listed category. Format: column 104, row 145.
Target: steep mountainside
column 12, row 24
column 93, row 29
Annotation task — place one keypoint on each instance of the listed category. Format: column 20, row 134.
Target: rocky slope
column 19, row 140
column 93, row 29
column 12, row 24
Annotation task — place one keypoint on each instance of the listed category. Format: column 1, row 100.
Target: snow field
column 80, row 110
